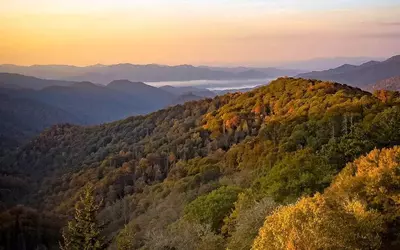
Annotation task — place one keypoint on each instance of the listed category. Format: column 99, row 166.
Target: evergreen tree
column 84, row 233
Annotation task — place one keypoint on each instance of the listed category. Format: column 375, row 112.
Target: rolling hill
column 188, row 97
column 360, row 76
column 187, row 89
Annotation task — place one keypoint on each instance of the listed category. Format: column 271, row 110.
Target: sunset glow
column 198, row 32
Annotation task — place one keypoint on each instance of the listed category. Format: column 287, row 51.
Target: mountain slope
column 29, row 82
column 90, row 103
column 95, row 104
column 360, row 76
column 318, row 64
column 151, row 97
column 22, row 118
column 187, row 89
column 25, row 112
column 392, row 83
column 223, row 162
column 188, row 97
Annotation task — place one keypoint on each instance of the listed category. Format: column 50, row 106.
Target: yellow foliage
column 318, row 223
column 353, row 213
column 374, row 179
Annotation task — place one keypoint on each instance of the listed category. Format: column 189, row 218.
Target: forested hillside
column 204, row 175
column 29, row 105
column 23, row 118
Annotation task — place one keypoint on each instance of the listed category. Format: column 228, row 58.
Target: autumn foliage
column 358, row 211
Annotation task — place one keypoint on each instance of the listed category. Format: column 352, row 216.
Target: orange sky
column 252, row 32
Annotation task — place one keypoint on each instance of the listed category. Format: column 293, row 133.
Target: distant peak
column 84, row 84
column 98, row 65
column 124, row 82
column 185, row 66
column 346, row 66
column 394, row 59
column 369, row 63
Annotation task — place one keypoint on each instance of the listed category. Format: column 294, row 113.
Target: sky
column 199, row 32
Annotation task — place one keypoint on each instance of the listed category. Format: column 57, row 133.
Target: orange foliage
column 233, row 122
column 257, row 109
column 382, row 95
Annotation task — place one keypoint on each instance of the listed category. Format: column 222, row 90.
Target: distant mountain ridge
column 103, row 74
column 29, row 104
column 91, row 103
column 22, row 118
column 30, row 81
column 318, row 64
column 360, row 76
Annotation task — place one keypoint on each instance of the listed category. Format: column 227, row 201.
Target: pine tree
column 83, row 232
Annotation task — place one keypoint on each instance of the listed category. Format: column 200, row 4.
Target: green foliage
column 358, row 211
column 244, row 222
column 84, row 232
column 301, row 173
column 385, row 126
column 212, row 208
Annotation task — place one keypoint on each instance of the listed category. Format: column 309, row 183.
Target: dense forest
column 298, row 164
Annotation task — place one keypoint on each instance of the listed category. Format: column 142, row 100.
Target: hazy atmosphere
column 234, row 32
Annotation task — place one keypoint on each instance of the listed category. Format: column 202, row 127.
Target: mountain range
column 103, row 74
column 317, row 64
column 359, row 75
column 29, row 104
column 46, row 102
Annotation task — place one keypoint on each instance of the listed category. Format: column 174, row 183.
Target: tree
column 84, row 233
column 301, row 173
column 210, row 209
column 246, row 219
column 360, row 210
column 320, row 223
